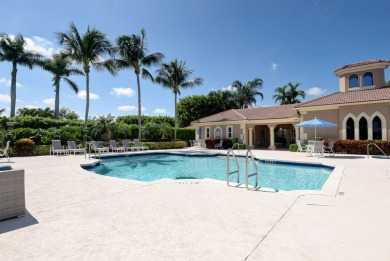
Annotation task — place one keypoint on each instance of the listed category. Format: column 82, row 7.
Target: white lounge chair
column 72, row 147
column 200, row 144
column 127, row 145
column 4, row 152
column 301, row 148
column 57, row 148
column 219, row 145
column 139, row 145
column 115, row 147
column 310, row 146
column 96, row 146
column 318, row 148
column 329, row 148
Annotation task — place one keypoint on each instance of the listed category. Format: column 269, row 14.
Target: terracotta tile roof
column 377, row 94
column 361, row 63
column 259, row 113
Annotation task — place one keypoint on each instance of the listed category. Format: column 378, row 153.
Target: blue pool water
column 281, row 176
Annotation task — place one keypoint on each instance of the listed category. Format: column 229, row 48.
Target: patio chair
column 200, row 144
column 4, row 152
column 301, row 148
column 310, row 146
column 114, row 146
column 127, row 145
column 139, row 145
column 97, row 147
column 318, row 148
column 194, row 143
column 219, row 145
column 72, row 147
column 57, row 148
column 329, row 148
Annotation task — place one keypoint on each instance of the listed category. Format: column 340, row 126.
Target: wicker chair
column 12, row 197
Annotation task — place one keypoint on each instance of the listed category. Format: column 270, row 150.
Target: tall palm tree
column 174, row 76
column 87, row 50
column 133, row 51
column 294, row 93
column 246, row 93
column 226, row 99
column 13, row 50
column 60, row 67
column 281, row 95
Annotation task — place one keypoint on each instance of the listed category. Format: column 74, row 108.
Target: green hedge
column 133, row 119
column 165, row 145
column 293, row 148
column 185, row 134
column 360, row 146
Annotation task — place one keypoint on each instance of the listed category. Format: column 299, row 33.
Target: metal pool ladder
column 249, row 157
column 228, row 172
column 368, row 149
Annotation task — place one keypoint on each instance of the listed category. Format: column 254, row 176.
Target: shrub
column 242, row 146
column 210, row 143
column 185, row 134
column 293, row 148
column 360, row 146
column 24, row 147
column 234, row 140
column 165, row 145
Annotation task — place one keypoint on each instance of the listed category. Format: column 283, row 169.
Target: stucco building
column 361, row 110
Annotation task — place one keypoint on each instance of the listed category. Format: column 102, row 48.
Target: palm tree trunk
column 139, row 107
column 175, row 114
column 86, row 70
column 57, row 102
column 13, row 89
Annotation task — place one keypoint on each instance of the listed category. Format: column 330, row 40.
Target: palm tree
column 174, row 76
column 133, row 51
column 247, row 93
column 226, row 99
column 103, row 126
column 294, row 93
column 12, row 49
column 60, row 67
column 87, row 50
column 281, row 95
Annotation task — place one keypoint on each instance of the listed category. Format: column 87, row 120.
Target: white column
column 272, row 138
column 297, row 134
column 250, row 137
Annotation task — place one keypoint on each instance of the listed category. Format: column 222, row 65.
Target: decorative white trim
column 218, row 128
column 369, row 126
column 383, row 123
column 227, row 132
column 207, row 135
column 344, row 126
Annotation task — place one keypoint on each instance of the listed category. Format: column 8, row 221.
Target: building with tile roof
column 361, row 110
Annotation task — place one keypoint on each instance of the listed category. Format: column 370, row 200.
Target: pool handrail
column 228, row 172
column 238, row 147
column 247, row 175
column 368, row 150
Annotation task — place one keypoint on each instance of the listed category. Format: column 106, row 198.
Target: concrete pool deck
column 76, row 215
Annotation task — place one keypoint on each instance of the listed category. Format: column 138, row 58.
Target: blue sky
column 222, row 41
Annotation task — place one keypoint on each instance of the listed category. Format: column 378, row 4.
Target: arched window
column 376, row 128
column 350, row 129
column 368, row 79
column 353, row 81
column 218, row 133
column 363, row 132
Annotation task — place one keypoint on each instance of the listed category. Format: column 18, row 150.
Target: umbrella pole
column 315, row 133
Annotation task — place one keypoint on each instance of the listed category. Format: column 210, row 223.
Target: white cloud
column 229, row 88
column 40, row 45
column 29, row 106
column 129, row 108
column 315, row 91
column 160, row 111
column 6, row 82
column 123, row 92
column 5, row 98
column 274, row 66
column 83, row 95
column 49, row 102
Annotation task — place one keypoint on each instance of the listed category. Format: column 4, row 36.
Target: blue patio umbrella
column 314, row 123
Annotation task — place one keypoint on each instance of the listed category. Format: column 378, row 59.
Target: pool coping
column 330, row 188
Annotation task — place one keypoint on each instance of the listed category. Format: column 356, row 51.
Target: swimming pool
column 150, row 167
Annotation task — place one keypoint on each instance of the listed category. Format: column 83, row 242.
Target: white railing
column 228, row 172
column 249, row 157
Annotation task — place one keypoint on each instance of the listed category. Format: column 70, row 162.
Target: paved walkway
column 77, row 215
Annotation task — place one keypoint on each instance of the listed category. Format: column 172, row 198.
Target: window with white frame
column 217, row 133
column 207, row 133
column 229, row 132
